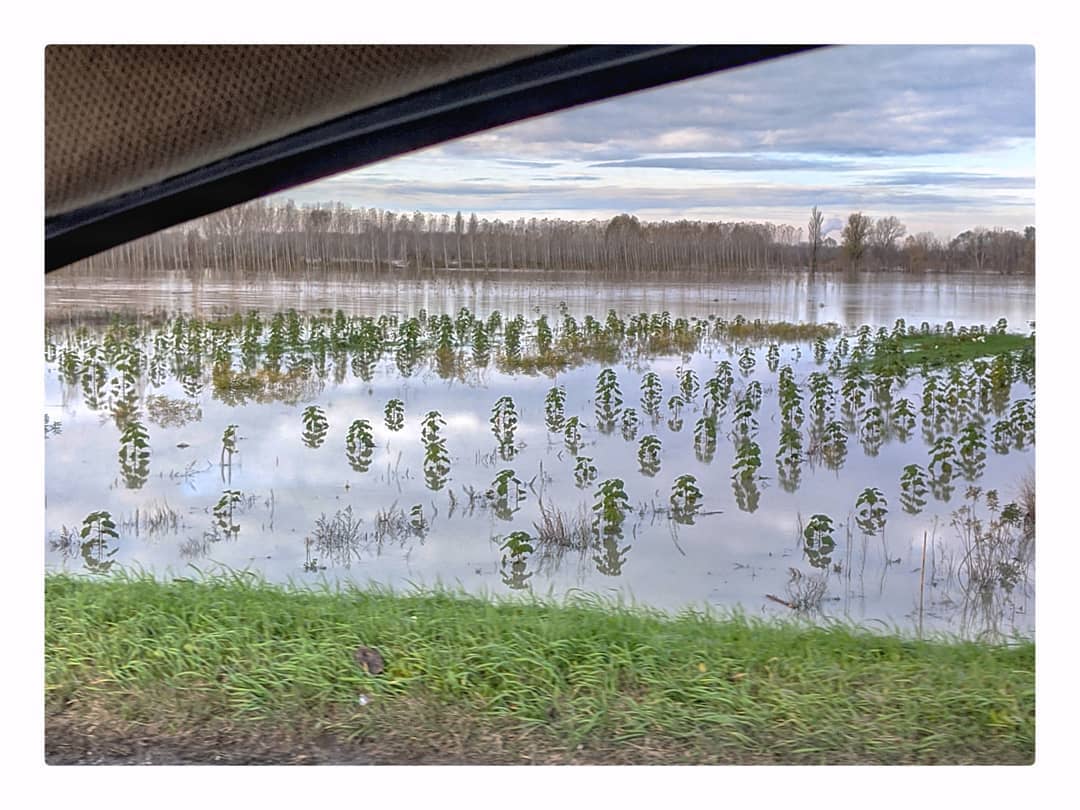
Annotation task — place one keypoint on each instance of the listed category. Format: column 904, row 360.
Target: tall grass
column 584, row 672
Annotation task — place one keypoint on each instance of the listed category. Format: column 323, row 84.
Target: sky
column 942, row 137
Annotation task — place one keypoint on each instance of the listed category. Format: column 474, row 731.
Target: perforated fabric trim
column 121, row 117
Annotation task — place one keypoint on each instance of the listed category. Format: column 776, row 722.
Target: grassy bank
column 229, row 660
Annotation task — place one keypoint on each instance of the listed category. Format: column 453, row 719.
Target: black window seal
column 562, row 78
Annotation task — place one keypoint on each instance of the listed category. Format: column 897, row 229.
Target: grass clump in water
column 935, row 350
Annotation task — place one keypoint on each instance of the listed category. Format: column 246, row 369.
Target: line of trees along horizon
column 259, row 237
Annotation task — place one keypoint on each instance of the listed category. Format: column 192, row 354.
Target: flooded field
column 846, row 299
column 784, row 445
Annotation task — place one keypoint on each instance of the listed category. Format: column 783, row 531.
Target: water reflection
column 849, row 299
column 318, row 433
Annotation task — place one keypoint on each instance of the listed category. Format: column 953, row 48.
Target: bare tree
column 814, row 232
column 856, row 237
column 974, row 244
column 885, row 233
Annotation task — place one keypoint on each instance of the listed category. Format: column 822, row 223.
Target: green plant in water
column 791, row 411
column 834, row 445
column 584, row 471
column 705, row 438
column 1002, row 436
column 359, row 445
column 772, row 357
column 610, row 559
column 913, row 489
column 97, row 530
column 903, row 418
column 675, row 405
column 688, row 383
column 942, row 458
column 872, row 431
column 516, row 547
column 554, row 408
column 228, row 445
column 871, row 510
column 649, row 455
column 506, row 493
column 436, row 464
column 685, row 499
column 716, row 395
column 972, row 444
column 853, row 390
column 512, row 334
column 753, row 394
column 394, row 415
column 1022, row 419
column 652, row 394
column 747, row 361
column 417, row 522
column 315, row 426
column 821, row 393
column 789, row 457
column 818, row 542
column 747, row 460
column 572, row 434
column 430, row 427
column 608, row 399
column 629, row 424
column 611, row 507
column 134, row 455
column 725, row 374
column 544, row 336
column 743, row 421
column 223, row 512
column 504, row 421
column 481, row 345
column 744, row 478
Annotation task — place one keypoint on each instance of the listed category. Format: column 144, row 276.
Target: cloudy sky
column 942, row 137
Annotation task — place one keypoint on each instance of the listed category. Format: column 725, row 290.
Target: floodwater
column 304, row 511
column 850, row 300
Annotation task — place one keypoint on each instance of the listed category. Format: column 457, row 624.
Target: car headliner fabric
column 121, row 117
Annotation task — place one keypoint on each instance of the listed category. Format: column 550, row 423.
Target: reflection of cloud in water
column 725, row 559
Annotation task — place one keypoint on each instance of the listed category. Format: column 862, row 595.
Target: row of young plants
column 964, row 389
column 863, row 405
column 228, row 353
column 114, row 373
column 184, row 347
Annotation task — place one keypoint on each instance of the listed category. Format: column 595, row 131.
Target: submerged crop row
column 768, row 411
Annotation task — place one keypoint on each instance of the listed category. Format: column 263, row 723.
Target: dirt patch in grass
column 411, row 733
column 406, row 732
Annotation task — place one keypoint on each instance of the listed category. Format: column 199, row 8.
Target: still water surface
column 741, row 549
column 850, row 300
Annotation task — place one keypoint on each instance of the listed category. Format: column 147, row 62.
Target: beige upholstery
column 119, row 117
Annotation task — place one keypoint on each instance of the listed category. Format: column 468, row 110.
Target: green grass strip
column 584, row 671
column 937, row 350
